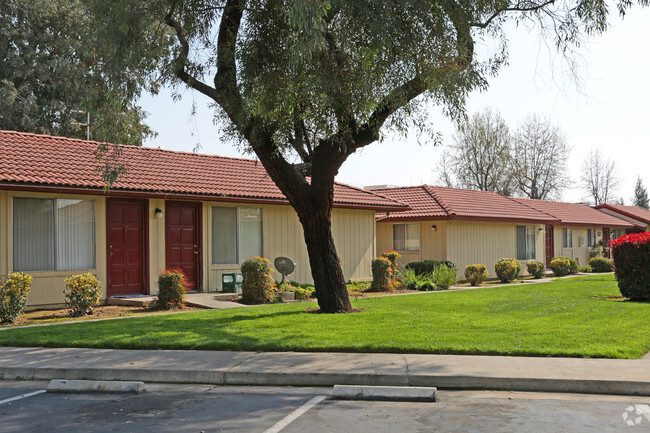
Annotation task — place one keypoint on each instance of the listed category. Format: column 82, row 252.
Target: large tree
column 640, row 195
column 540, row 155
column 480, row 155
column 52, row 67
column 319, row 79
column 599, row 177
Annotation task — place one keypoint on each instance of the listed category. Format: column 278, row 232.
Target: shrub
column 560, row 266
column 13, row 296
column 301, row 293
column 631, row 254
column 380, row 274
column 536, row 269
column 475, row 274
column 507, row 269
column 573, row 264
column 392, row 256
column 585, row 269
column 82, row 292
column 258, row 286
column 594, row 252
column 444, row 277
column 601, row 264
column 413, row 281
column 172, row 285
column 427, row 266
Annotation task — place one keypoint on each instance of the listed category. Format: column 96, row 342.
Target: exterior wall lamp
column 434, row 228
column 159, row 213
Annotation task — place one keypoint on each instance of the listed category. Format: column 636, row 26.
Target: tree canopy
column 599, row 177
column 316, row 80
column 52, row 67
column 640, row 195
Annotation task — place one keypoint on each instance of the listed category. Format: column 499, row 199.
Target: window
column 406, row 237
column 616, row 233
column 525, row 242
column 591, row 237
column 53, row 234
column 567, row 238
column 236, row 234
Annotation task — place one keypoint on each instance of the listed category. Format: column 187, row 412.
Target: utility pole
column 87, row 124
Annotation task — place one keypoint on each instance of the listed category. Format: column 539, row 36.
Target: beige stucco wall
column 282, row 235
column 433, row 244
column 47, row 286
column 353, row 230
column 485, row 243
column 580, row 251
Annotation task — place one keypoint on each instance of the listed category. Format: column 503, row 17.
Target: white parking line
column 30, row 394
column 295, row 414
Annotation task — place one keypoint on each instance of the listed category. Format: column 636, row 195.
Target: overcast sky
column 609, row 110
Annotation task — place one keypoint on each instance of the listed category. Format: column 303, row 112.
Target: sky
column 609, row 110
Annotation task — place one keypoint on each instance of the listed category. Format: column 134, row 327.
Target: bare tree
column 599, row 178
column 540, row 153
column 479, row 157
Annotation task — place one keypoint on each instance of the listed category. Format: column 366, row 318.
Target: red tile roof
column 31, row 161
column 435, row 202
column 575, row 214
column 635, row 212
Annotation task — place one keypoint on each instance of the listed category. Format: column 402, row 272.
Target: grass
column 578, row 317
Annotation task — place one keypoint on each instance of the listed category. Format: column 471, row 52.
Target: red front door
column 126, row 233
column 182, row 235
column 550, row 245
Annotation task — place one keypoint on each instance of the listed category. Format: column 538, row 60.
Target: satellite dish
column 285, row 266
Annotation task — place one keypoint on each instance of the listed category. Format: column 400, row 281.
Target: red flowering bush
column 631, row 255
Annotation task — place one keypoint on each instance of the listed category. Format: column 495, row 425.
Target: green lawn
column 560, row 318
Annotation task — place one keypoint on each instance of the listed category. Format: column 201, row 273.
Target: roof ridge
column 367, row 191
column 441, row 203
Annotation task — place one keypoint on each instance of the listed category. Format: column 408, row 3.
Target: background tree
column 540, row 155
column 599, row 179
column 318, row 79
column 640, row 195
column 52, row 66
column 480, row 155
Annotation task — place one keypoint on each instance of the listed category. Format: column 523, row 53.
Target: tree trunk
column 325, row 266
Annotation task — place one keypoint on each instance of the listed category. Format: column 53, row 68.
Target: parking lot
column 203, row 408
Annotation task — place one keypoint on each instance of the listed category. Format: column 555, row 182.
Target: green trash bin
column 231, row 283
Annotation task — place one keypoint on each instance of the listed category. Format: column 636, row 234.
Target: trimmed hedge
column 258, row 285
column 507, row 269
column 380, row 274
column 573, row 264
column 13, row 296
column 476, row 274
column 560, row 266
column 631, row 254
column 172, row 285
column 601, row 264
column 536, row 269
column 82, row 292
column 428, row 266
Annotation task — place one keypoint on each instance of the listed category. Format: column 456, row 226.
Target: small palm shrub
column 82, row 292
column 507, row 269
column 601, row 264
column 13, row 296
column 476, row 274
column 380, row 274
column 258, row 286
column 444, row 277
column 536, row 269
column 560, row 266
column 413, row 281
column 172, row 285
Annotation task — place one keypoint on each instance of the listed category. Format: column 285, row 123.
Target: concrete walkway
column 210, row 300
column 598, row 376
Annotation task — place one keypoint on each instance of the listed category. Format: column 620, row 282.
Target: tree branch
column 510, row 9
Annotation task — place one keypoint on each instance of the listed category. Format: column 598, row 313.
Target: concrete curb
column 225, row 377
column 81, row 386
column 384, row 393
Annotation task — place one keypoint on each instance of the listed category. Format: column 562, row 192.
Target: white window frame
column 417, row 238
column 567, row 235
column 238, row 237
column 55, row 240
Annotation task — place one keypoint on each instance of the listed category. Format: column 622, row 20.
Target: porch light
column 159, row 213
column 434, row 228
